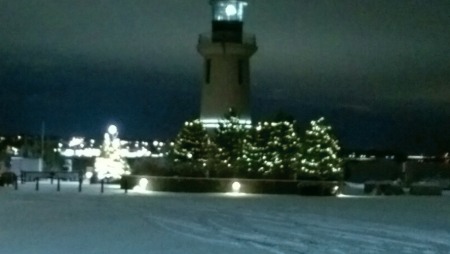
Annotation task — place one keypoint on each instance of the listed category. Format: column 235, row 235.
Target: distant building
column 226, row 52
column 19, row 164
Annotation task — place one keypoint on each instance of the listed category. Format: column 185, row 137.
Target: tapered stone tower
column 226, row 52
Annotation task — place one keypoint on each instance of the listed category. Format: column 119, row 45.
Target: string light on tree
column 110, row 164
column 320, row 157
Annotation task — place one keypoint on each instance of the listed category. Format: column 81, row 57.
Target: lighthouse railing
column 247, row 39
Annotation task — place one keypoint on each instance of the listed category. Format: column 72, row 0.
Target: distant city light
column 419, row 157
column 79, row 147
column 76, row 141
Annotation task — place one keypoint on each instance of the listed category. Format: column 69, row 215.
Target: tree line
column 266, row 150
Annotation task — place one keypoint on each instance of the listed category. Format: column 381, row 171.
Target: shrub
column 425, row 189
column 190, row 184
column 318, row 188
column 383, row 188
column 8, row 178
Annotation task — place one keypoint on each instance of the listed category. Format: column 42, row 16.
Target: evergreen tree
column 320, row 153
column 110, row 163
column 190, row 149
column 272, row 150
column 229, row 138
column 254, row 154
column 284, row 149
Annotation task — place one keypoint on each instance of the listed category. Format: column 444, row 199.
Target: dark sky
column 379, row 71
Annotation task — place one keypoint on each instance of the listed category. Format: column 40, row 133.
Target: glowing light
column 89, row 175
column 419, row 157
column 230, row 10
column 107, row 168
column 236, row 187
column 101, row 177
column 112, row 129
column 215, row 123
column 68, row 153
column 357, row 196
column 15, row 150
column 75, row 141
column 143, row 182
column 335, row 190
column 142, row 186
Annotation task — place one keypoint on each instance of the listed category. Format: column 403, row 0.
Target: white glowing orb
column 230, row 10
column 236, row 187
column 112, row 129
column 89, row 175
column 335, row 190
column 143, row 182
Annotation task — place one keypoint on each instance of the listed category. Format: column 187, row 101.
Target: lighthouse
column 226, row 51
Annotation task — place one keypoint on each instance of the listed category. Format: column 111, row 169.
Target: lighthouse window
column 208, row 71
column 240, row 71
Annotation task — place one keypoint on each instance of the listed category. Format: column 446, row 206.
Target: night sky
column 379, row 71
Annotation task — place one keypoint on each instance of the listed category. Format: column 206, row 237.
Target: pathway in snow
column 89, row 222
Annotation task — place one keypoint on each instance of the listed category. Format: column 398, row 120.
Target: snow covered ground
column 113, row 222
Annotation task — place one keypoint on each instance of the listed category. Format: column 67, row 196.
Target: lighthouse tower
column 226, row 52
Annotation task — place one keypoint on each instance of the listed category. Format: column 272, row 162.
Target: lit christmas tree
column 284, row 149
column 190, row 149
column 273, row 150
column 110, row 164
column 252, row 162
column 229, row 138
column 320, row 153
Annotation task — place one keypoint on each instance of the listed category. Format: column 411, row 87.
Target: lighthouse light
column 230, row 10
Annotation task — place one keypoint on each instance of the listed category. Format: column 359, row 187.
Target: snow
column 114, row 222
